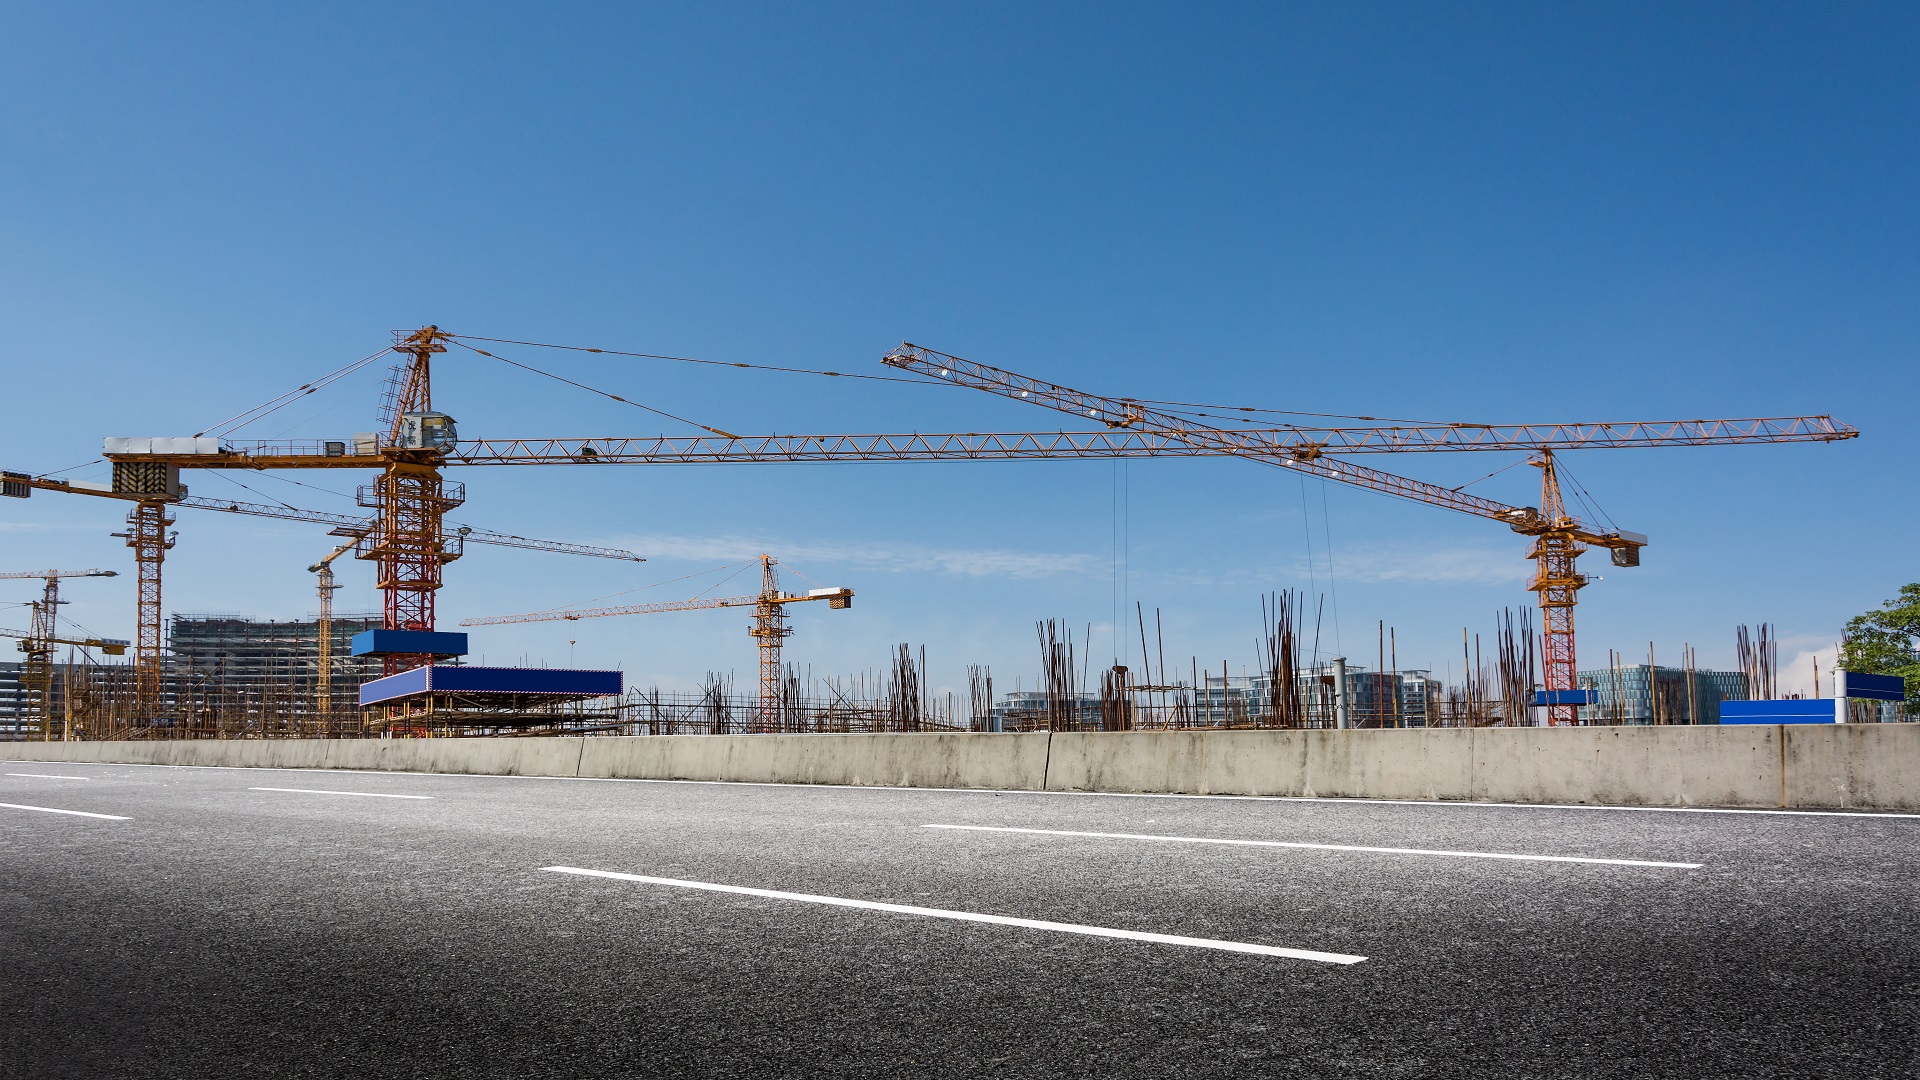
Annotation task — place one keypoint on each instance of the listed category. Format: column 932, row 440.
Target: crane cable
column 1183, row 406
column 1584, row 496
column 735, row 567
column 1491, row 475
column 594, row 390
column 696, row 360
column 273, row 405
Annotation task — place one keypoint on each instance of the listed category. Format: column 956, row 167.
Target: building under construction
column 262, row 672
column 222, row 675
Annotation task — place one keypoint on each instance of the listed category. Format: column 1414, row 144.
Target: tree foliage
column 1883, row 641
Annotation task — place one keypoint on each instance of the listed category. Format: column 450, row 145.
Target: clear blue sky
column 1449, row 212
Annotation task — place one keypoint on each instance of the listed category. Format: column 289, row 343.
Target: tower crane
column 411, row 498
column 38, row 642
column 150, row 548
column 323, row 676
column 768, row 630
column 1559, row 537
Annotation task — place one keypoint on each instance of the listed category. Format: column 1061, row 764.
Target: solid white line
column 1868, row 815
column 362, row 794
column 970, row 916
column 1327, row 847
column 75, row 813
column 49, row 776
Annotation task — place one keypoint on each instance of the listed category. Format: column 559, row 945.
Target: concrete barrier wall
column 1851, row 765
column 1738, row 765
column 1808, row 765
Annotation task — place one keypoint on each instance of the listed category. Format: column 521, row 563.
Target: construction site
column 1140, row 541
column 396, row 674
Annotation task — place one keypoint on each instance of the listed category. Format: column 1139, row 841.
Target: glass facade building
column 1644, row 694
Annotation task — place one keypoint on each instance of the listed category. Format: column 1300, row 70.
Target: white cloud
column 1796, row 674
column 967, row 562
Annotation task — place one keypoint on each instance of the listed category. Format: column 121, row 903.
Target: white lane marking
column 75, row 813
column 1869, row 815
column 970, row 916
column 1326, row 847
column 49, row 776
column 362, row 794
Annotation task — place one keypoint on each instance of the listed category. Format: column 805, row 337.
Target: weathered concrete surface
column 1863, row 766
column 943, row 759
column 1736, row 765
column 1375, row 765
column 1852, row 766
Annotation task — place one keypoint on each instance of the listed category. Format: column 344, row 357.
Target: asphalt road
column 211, row 929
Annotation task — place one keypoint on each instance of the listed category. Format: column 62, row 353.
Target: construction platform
column 505, row 696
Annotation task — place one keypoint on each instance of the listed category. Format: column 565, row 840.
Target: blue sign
column 493, row 682
column 1563, row 697
column 1872, row 687
column 409, row 643
column 1790, row 711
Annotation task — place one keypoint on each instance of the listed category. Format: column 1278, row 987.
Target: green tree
column 1882, row 641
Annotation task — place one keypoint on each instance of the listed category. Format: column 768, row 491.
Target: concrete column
column 1839, row 695
column 1340, row 692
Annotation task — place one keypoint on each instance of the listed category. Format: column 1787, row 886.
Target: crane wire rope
column 304, row 484
column 272, row 405
column 1491, row 475
column 1313, row 570
column 697, row 360
column 594, row 390
column 70, row 468
column 1585, row 497
column 722, row 581
column 1122, row 551
column 801, row 576
column 1333, row 583
column 641, row 588
column 1182, row 406
column 286, row 505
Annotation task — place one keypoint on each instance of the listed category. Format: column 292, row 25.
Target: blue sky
column 1470, row 212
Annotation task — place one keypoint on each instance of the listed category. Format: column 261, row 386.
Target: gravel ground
column 225, row 932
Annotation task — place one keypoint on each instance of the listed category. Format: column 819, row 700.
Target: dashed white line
column 75, row 813
column 1327, row 847
column 362, row 794
column 971, row 916
column 49, row 776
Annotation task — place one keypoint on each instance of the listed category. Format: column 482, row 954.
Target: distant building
column 17, row 718
column 1024, row 710
column 1658, row 695
column 1374, row 699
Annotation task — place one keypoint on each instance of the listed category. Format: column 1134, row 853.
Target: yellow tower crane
column 37, row 673
column 323, row 676
column 769, row 627
column 1559, row 537
column 364, row 531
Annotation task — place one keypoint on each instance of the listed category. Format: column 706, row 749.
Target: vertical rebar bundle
column 1057, row 683
column 1282, row 708
column 1758, row 653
